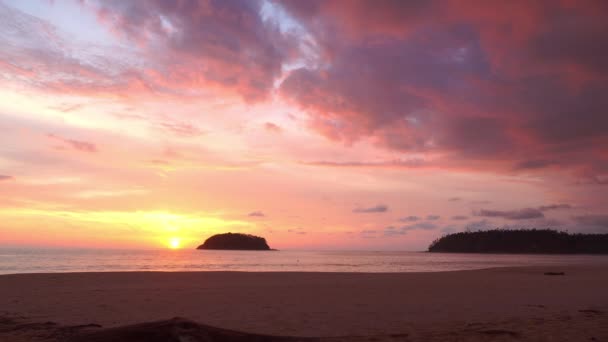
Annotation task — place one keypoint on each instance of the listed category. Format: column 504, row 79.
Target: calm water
column 47, row 260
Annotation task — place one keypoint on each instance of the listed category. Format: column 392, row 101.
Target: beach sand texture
column 503, row 304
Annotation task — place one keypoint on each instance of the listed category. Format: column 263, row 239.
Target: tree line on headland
column 235, row 241
column 521, row 241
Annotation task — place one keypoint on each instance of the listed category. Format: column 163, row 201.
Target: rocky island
column 524, row 241
column 235, row 241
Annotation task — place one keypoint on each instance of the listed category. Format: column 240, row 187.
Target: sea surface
column 88, row 260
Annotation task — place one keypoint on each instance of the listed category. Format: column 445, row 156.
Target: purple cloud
column 271, row 127
column 554, row 207
column 450, row 79
column 79, row 145
column 380, row 208
column 256, row 214
column 521, row 214
column 409, row 219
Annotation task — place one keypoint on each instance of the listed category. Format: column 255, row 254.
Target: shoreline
column 190, row 261
column 548, row 266
column 552, row 266
column 539, row 266
column 323, row 303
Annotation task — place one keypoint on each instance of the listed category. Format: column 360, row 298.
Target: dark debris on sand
column 173, row 330
column 588, row 325
column 176, row 330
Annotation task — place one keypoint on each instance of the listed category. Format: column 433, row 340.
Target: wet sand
column 501, row 304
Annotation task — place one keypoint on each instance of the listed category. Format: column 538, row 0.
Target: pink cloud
column 79, row 145
column 222, row 43
column 503, row 86
column 181, row 50
column 181, row 129
column 271, row 127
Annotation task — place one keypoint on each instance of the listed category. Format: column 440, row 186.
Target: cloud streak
column 256, row 214
column 521, row 214
column 409, row 219
column 78, row 145
column 273, row 128
column 380, row 208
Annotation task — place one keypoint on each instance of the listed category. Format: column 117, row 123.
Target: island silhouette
column 235, row 241
column 524, row 241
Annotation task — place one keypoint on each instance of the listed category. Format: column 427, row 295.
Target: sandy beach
column 500, row 304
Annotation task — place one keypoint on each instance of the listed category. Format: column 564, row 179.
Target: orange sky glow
column 137, row 125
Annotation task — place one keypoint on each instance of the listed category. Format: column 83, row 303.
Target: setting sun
column 174, row 243
column 289, row 168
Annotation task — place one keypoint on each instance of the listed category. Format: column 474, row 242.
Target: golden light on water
column 174, row 243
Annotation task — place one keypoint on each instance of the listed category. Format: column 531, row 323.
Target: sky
column 338, row 124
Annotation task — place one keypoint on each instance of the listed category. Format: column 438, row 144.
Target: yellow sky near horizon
column 163, row 126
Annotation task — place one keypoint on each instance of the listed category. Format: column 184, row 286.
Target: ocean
column 17, row 260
